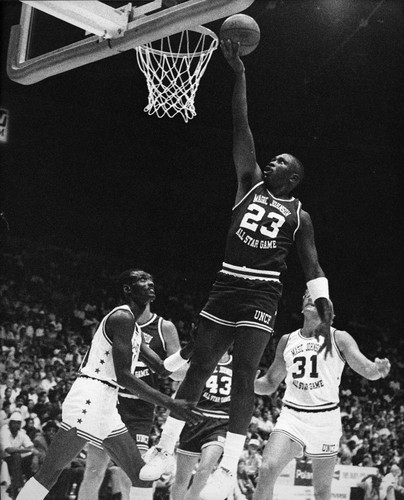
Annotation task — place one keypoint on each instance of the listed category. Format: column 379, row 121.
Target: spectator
column 17, row 449
column 391, row 484
column 252, row 459
column 244, row 483
column 265, row 424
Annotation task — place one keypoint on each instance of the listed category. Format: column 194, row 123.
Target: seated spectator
column 30, row 428
column 17, row 449
column 265, row 424
column 5, row 413
column 252, row 459
column 391, row 484
column 19, row 406
column 244, row 483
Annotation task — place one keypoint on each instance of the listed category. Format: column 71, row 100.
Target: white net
column 173, row 67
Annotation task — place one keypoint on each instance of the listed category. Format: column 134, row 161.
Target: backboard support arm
column 141, row 30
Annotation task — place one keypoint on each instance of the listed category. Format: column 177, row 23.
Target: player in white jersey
column 137, row 414
column 310, row 421
column 89, row 411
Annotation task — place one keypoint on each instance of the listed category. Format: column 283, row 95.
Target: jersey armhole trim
column 245, row 196
column 334, row 341
column 299, row 208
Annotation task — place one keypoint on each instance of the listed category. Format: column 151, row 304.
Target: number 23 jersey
column 312, row 382
column 261, row 232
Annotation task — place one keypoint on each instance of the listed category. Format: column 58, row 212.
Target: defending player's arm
column 119, row 328
column 317, row 283
column 372, row 370
column 269, row 383
column 173, row 345
column 174, row 363
column 247, row 170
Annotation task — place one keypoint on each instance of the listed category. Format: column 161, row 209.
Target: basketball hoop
column 173, row 67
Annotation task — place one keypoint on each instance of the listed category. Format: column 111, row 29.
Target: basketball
column 241, row 28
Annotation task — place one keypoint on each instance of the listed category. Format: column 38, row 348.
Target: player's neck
column 280, row 193
column 308, row 328
column 144, row 316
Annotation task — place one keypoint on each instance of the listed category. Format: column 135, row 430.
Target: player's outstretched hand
column 184, row 410
column 383, row 366
column 231, row 52
column 323, row 330
column 262, row 387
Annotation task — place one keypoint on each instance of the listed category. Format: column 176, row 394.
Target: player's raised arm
column 372, row 370
column 317, row 283
column 247, row 170
column 268, row 383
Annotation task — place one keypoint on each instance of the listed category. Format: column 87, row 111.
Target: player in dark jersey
column 242, row 305
column 162, row 337
column 204, row 442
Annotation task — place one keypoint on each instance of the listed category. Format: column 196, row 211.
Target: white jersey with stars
column 312, row 382
column 98, row 362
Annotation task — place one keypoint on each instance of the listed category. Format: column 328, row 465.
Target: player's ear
column 127, row 288
column 294, row 178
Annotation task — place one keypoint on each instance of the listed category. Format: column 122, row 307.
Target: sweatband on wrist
column 318, row 288
column 174, row 362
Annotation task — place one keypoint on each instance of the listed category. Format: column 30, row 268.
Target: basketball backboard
column 101, row 30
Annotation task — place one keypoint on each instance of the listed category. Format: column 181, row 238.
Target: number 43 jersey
column 261, row 232
column 215, row 399
column 312, row 382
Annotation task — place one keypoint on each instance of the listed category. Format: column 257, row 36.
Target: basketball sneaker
column 158, row 462
column 219, row 486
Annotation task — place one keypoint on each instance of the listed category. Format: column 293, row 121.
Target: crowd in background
column 52, row 300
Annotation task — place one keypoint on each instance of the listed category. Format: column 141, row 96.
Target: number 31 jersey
column 261, row 232
column 312, row 382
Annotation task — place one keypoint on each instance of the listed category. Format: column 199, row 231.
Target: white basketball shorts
column 90, row 407
column 318, row 434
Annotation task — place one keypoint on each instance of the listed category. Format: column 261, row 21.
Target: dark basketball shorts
column 138, row 417
column 237, row 302
column 209, row 431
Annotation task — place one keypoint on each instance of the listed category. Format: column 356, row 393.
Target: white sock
column 171, row 433
column 140, row 493
column 233, row 449
column 32, row 490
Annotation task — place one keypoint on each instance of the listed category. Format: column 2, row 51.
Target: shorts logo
column 262, row 316
column 142, row 438
column 328, row 448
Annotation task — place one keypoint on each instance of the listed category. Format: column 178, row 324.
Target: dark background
column 85, row 167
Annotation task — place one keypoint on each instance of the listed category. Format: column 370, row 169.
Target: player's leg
column 185, row 466
column 323, row 471
column 124, row 452
column 209, row 459
column 96, row 465
column 138, row 417
column 63, row 448
column 278, row 452
column 212, row 341
column 249, row 345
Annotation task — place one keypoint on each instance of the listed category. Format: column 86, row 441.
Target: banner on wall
column 351, row 475
column 284, row 492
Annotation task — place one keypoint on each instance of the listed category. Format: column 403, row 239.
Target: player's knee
column 268, row 470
